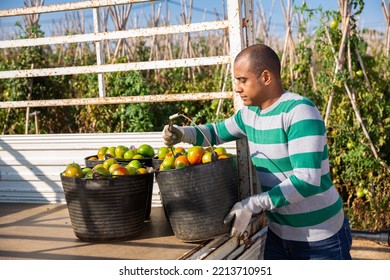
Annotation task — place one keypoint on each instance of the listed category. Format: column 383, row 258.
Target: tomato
column 179, row 150
column 360, row 193
column 113, row 167
column 223, row 156
column 101, row 152
column 162, row 152
column 111, row 151
column 207, row 157
column 170, row 154
column 220, row 151
column 129, row 154
column 132, row 170
column 120, row 171
column 146, row 150
column 100, row 172
column 195, row 154
column 120, row 151
column 181, row 159
column 135, row 163
column 108, row 162
column 142, row 170
column 168, row 163
column 97, row 166
column 334, row 24
column 138, row 156
column 86, row 170
column 181, row 165
column 74, row 170
column 359, row 73
column 350, row 145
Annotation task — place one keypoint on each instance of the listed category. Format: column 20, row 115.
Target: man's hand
column 241, row 221
column 172, row 135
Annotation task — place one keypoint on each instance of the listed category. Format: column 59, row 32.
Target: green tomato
column 350, row 145
column 74, row 171
column 359, row 73
column 360, row 193
column 334, row 24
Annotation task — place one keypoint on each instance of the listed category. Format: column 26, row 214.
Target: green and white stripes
column 287, row 143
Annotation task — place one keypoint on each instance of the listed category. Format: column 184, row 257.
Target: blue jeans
column 336, row 247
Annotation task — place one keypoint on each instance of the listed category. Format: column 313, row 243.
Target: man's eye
column 240, row 81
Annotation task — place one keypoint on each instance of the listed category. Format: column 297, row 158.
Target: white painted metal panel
column 30, row 165
column 66, row 7
column 115, row 35
column 108, row 68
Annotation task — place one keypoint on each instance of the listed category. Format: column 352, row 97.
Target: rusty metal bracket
column 245, row 22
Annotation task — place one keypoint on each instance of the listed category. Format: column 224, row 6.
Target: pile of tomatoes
column 112, row 162
column 117, row 161
column 178, row 157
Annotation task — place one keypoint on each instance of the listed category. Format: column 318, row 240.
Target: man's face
column 248, row 84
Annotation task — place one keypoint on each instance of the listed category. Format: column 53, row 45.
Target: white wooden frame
column 238, row 26
column 233, row 24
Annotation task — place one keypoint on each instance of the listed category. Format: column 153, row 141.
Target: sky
column 372, row 16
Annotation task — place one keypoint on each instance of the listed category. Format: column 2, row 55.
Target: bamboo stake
column 361, row 123
column 386, row 11
column 264, row 25
column 30, row 21
column 168, row 38
column 105, row 43
column 362, row 66
column 286, row 35
column 352, row 98
column 155, row 45
column 289, row 41
column 154, row 19
column 340, row 59
column 120, row 16
column 220, row 103
column 6, row 120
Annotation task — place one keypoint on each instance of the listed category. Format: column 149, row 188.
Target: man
column 287, row 143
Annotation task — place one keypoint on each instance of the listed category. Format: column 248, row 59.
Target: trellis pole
column 386, row 13
column 351, row 95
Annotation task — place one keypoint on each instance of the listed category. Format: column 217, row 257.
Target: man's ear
column 266, row 77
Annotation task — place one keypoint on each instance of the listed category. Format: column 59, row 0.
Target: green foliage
column 36, row 88
column 362, row 179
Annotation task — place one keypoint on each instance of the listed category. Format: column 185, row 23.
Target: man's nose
column 237, row 88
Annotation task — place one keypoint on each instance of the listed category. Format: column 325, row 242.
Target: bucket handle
column 214, row 156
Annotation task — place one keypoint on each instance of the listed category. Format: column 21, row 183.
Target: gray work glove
column 241, row 217
column 172, row 135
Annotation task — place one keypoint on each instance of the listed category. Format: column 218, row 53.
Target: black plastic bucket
column 146, row 162
column 197, row 198
column 110, row 209
column 156, row 162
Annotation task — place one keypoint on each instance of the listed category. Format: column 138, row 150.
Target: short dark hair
column 261, row 57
